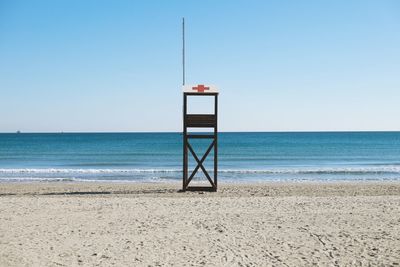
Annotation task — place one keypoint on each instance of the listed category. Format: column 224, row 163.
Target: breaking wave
column 302, row 170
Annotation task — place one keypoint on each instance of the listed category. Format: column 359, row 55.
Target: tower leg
column 185, row 149
column 216, row 142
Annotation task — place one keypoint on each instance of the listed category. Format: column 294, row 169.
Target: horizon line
column 124, row 132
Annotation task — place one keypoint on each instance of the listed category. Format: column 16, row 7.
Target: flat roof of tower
column 200, row 89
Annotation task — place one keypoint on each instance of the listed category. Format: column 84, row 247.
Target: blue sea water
column 243, row 157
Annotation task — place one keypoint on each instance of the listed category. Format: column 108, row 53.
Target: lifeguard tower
column 197, row 121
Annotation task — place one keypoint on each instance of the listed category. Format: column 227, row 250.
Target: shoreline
column 270, row 188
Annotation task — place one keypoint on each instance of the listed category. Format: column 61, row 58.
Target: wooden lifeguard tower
column 200, row 121
column 197, row 121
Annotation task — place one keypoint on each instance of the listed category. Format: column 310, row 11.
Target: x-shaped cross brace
column 200, row 163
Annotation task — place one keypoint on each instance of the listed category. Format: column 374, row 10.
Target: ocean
column 243, row 157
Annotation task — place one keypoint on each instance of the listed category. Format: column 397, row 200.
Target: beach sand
column 275, row 224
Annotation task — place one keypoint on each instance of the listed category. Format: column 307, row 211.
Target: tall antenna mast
column 183, row 51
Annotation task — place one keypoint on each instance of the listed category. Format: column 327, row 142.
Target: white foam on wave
column 320, row 170
column 293, row 170
column 73, row 179
column 85, row 171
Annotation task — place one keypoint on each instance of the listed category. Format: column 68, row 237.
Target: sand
column 276, row 224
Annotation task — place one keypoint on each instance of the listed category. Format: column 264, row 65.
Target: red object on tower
column 200, row 88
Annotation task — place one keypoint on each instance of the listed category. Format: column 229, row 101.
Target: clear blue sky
column 280, row 65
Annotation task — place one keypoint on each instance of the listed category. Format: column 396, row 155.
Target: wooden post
column 216, row 141
column 185, row 155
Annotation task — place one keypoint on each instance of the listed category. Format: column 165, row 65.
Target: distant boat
column 18, row 132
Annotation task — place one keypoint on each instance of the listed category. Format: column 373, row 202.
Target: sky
column 115, row 66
